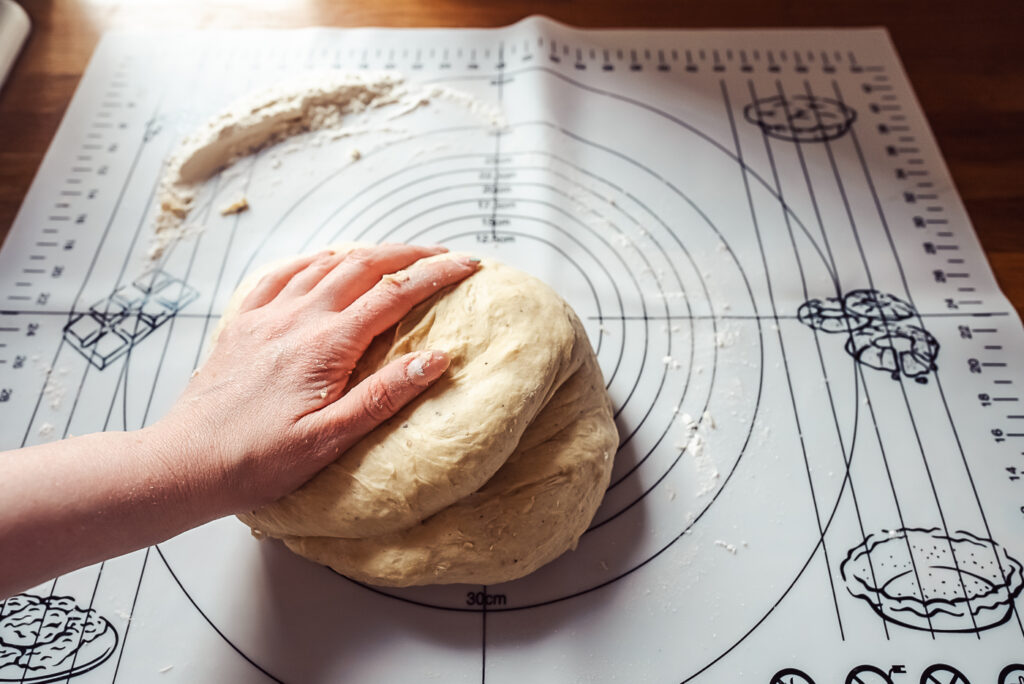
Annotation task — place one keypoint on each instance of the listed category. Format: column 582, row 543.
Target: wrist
column 188, row 468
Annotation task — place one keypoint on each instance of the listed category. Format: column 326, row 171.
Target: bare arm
column 268, row 410
column 75, row 502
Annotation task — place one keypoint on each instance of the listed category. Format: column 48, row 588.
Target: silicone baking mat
column 814, row 373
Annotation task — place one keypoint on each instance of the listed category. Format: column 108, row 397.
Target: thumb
column 381, row 395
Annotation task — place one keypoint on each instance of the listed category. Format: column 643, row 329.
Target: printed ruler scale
column 758, row 231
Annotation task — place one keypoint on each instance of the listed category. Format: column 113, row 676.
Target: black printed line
column 223, row 265
column 131, row 616
column 35, row 642
column 892, row 488
column 846, row 454
column 99, row 574
column 782, row 347
column 483, row 638
column 206, row 618
column 853, row 227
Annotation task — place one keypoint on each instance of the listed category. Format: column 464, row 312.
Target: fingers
column 338, row 279
column 306, row 279
column 380, row 396
column 395, row 295
column 363, row 268
column 272, row 283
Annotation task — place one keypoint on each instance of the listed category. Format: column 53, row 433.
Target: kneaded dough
column 495, row 470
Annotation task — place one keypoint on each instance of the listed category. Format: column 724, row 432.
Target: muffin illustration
column 829, row 316
column 877, row 306
column 928, row 580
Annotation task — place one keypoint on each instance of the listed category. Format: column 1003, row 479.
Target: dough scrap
column 338, row 103
column 495, row 470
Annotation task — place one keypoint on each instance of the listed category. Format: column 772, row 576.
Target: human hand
column 271, row 406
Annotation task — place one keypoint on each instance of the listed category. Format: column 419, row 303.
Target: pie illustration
column 51, row 639
column 925, row 579
column 800, row 118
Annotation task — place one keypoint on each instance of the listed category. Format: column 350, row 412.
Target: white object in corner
column 14, row 29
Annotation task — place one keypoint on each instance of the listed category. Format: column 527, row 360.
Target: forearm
column 72, row 503
column 271, row 406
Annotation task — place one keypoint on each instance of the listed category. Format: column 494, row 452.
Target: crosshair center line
column 754, row 317
column 610, row 317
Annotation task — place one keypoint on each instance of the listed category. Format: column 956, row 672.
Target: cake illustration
column 880, row 335
column 800, row 118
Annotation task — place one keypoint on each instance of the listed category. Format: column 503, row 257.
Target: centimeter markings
column 70, row 213
column 941, row 243
column 636, row 58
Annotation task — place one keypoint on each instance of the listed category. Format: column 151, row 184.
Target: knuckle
column 323, row 260
column 360, row 258
column 390, row 288
column 384, row 297
column 315, row 269
column 380, row 402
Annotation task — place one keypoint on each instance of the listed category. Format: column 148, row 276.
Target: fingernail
column 471, row 261
column 426, row 366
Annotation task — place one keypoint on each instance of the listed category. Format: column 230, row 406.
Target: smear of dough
column 311, row 102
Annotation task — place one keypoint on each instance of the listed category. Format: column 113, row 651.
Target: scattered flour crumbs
column 339, row 102
column 731, row 548
column 694, row 439
column 54, row 389
column 236, row 207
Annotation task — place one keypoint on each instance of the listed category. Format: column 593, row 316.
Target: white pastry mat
column 688, row 226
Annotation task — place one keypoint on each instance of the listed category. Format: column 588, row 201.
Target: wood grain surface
column 965, row 60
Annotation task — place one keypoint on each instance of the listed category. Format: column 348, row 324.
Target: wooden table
column 964, row 60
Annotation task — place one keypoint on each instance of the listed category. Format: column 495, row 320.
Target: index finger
column 271, row 284
column 396, row 294
column 362, row 268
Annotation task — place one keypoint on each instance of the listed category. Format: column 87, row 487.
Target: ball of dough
column 495, row 470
